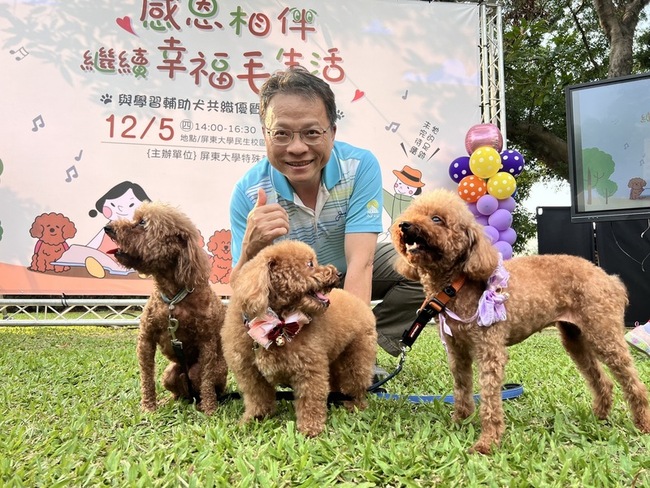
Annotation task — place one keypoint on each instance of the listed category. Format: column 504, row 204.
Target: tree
column 549, row 44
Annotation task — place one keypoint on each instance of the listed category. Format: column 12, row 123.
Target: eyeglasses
column 283, row 137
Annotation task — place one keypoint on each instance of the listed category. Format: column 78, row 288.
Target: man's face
column 299, row 162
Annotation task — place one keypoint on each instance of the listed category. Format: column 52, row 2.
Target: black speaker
column 557, row 235
column 624, row 249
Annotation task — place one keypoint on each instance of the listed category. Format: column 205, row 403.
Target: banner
column 106, row 104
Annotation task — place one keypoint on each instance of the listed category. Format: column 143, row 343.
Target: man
column 327, row 194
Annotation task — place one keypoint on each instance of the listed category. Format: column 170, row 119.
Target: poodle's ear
column 193, row 267
column 37, row 228
column 253, row 287
column 482, row 257
column 406, row 270
column 69, row 230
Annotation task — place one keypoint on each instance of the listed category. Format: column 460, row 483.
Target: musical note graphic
column 393, row 126
column 405, row 95
column 41, row 123
column 78, row 158
column 72, row 173
column 22, row 52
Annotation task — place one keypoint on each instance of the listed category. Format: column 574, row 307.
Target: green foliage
column 69, row 416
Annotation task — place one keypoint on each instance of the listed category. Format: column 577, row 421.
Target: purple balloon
column 504, row 248
column 501, row 219
column 487, row 204
column 513, row 162
column 509, row 235
column 492, row 233
column 473, row 209
column 508, row 204
column 482, row 219
column 459, row 168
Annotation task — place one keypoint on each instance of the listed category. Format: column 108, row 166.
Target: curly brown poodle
column 287, row 325
column 440, row 243
column 52, row 231
column 163, row 242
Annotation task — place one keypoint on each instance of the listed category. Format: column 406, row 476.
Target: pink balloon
column 492, row 233
column 504, row 248
column 509, row 235
column 483, row 135
column 508, row 204
column 487, row 204
column 501, row 219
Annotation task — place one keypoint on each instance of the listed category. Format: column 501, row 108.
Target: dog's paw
column 148, row 406
column 484, row 445
column 310, row 430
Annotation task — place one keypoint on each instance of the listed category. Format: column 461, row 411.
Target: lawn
column 70, row 417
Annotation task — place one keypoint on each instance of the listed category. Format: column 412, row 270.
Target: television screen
column 608, row 126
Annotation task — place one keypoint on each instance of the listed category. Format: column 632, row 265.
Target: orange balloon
column 471, row 188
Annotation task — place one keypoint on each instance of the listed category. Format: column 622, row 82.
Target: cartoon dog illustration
column 636, row 186
column 52, row 230
column 219, row 246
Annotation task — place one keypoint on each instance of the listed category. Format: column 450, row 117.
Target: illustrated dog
column 441, row 244
column 182, row 311
column 286, row 325
column 52, row 231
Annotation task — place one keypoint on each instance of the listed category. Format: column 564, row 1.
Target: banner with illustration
column 105, row 104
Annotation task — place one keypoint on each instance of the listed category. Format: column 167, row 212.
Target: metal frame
column 15, row 312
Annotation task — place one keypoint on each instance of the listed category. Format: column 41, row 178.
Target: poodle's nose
column 404, row 226
column 109, row 230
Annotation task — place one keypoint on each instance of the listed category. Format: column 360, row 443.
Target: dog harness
column 177, row 346
column 270, row 329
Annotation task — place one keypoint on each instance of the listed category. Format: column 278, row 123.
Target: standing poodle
column 52, row 230
column 183, row 316
column 285, row 325
column 493, row 305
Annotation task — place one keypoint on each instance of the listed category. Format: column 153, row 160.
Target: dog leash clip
column 173, row 327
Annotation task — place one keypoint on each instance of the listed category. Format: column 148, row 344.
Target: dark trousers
column 400, row 299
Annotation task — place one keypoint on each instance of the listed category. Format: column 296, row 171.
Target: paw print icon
column 106, row 99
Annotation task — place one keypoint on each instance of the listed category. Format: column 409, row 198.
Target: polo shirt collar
column 331, row 176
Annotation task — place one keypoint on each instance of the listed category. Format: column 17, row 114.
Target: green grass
column 69, row 416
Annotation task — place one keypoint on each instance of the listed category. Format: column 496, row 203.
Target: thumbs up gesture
column 265, row 223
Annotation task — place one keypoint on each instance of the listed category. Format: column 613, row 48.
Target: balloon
column 501, row 219
column 513, row 162
column 483, row 220
column 485, row 162
column 487, row 204
column 509, row 235
column 471, row 188
column 492, row 233
column 459, row 168
column 473, row 209
column 504, row 248
column 508, row 203
column 483, row 135
column 501, row 185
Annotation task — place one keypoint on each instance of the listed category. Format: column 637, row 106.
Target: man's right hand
column 265, row 223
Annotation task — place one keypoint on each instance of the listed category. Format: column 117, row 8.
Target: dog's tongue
column 112, row 251
column 322, row 297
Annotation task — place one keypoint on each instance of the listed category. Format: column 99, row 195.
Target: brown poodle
column 285, row 325
column 162, row 242
column 441, row 243
column 52, row 230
